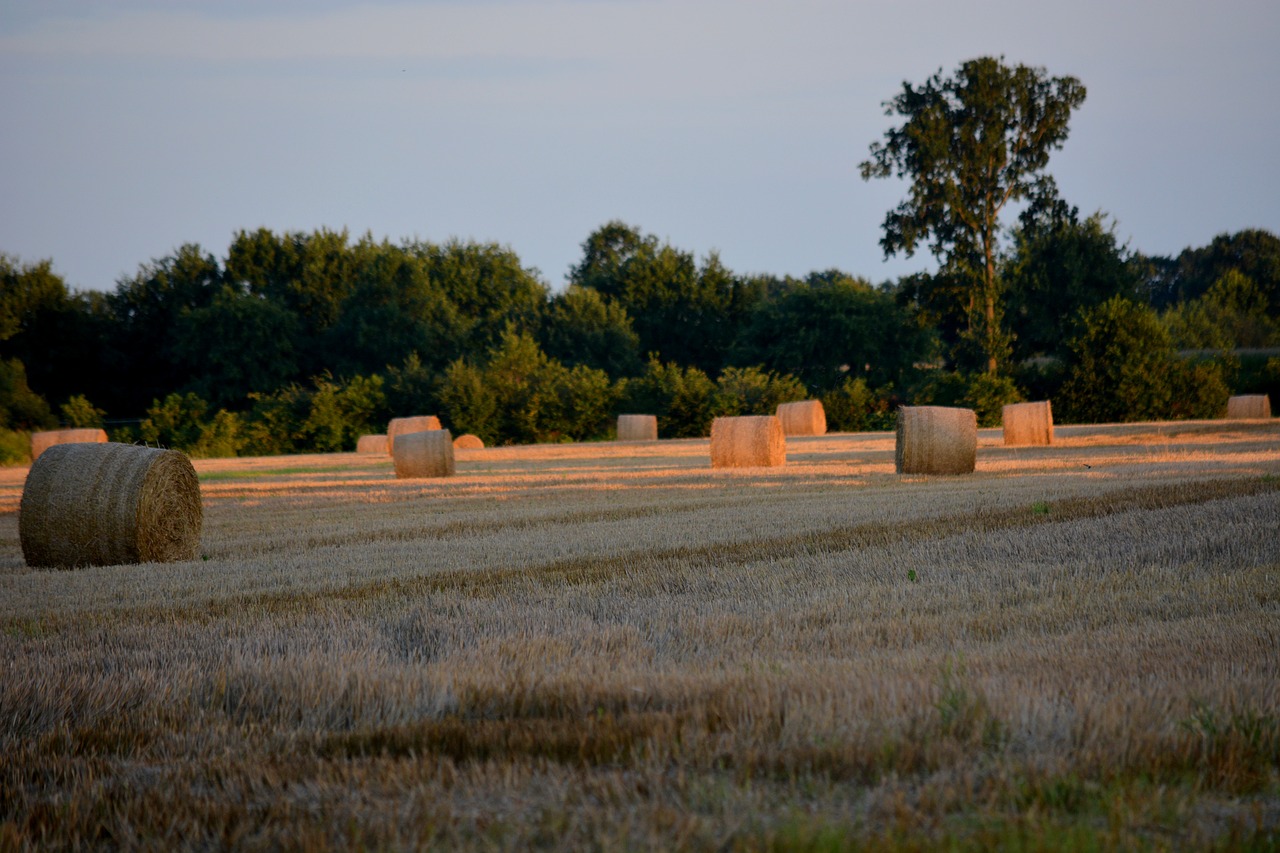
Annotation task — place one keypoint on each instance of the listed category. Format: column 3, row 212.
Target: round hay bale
column 637, row 427
column 42, row 441
column 417, row 423
column 753, row 441
column 1027, row 423
column 936, row 440
column 106, row 504
column 424, row 454
column 1248, row 406
column 806, row 417
column 376, row 444
column 467, row 441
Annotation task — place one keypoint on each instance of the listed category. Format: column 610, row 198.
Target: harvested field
column 615, row 646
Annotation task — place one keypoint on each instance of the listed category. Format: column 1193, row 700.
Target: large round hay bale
column 1027, row 423
column 637, row 427
column 42, row 441
column 375, row 444
column 467, row 441
column 417, row 423
column 1247, row 406
column 752, row 441
column 806, row 417
column 424, row 454
column 936, row 440
column 105, row 504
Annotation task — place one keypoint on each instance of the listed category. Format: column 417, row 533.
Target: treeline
column 297, row 342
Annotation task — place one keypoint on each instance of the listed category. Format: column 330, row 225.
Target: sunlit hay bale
column 1027, row 423
column 424, row 454
column 753, row 441
column 467, row 441
column 806, row 417
column 637, row 427
column 105, row 504
column 376, row 444
column 42, row 441
column 1244, row 407
column 400, row 426
column 936, row 440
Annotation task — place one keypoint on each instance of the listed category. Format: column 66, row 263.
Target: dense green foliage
column 303, row 342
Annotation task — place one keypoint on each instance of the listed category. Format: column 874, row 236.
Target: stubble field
column 614, row 646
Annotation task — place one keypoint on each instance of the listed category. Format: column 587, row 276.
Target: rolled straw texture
column 637, row 427
column 42, row 441
column 806, row 417
column 106, row 504
column 753, row 441
column 1027, row 423
column 936, row 440
column 467, row 441
column 1249, row 406
column 400, row 426
column 424, row 454
column 372, row 444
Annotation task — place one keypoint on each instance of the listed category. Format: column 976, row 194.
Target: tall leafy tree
column 971, row 145
column 1060, row 266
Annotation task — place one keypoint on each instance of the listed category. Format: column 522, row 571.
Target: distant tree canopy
column 971, row 145
column 296, row 342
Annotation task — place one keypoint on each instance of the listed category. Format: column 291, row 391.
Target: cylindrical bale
column 936, row 440
column 1247, row 406
column 106, row 504
column 637, row 427
column 374, row 444
column 467, row 441
column 752, row 441
column 417, row 423
column 424, row 454
column 42, row 441
column 1027, row 423
column 806, row 417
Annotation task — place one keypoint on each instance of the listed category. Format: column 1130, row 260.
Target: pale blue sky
column 128, row 128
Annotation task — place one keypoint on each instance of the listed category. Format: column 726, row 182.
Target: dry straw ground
column 595, row 646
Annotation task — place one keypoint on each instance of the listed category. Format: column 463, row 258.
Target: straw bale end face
column 467, row 441
column 806, row 417
column 107, row 504
column 637, row 427
column 42, row 441
column 401, row 426
column 936, row 440
column 753, row 441
column 423, row 454
column 1027, row 424
column 1248, row 406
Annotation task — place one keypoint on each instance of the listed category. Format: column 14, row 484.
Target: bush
column 468, row 405
column 79, row 413
column 855, row 407
column 20, row 407
column 1199, row 390
column 15, row 447
column 179, row 423
column 339, row 413
column 986, row 394
column 682, row 398
column 752, row 391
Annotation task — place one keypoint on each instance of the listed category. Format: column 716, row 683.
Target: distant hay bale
column 753, row 441
column 42, row 441
column 936, row 440
column 637, row 427
column 806, row 417
column 376, row 444
column 1248, row 406
column 1027, row 423
column 423, row 454
column 417, row 423
column 105, row 504
column 467, row 441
